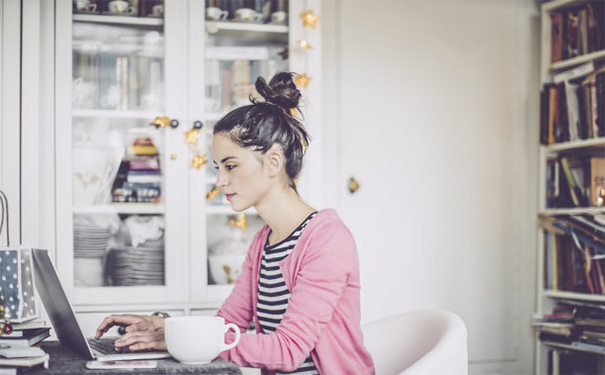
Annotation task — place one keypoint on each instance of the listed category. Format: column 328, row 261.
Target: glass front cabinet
column 141, row 225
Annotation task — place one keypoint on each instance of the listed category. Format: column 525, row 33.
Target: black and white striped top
column 273, row 294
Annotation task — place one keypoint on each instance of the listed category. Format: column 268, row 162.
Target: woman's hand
column 142, row 340
column 142, row 331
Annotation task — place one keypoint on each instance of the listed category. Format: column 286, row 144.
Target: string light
column 309, row 19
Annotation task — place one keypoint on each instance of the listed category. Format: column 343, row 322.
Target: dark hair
column 264, row 123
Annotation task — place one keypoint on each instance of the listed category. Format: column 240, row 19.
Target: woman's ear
column 274, row 160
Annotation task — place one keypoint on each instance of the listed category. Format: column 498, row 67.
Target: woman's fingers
column 141, row 340
column 121, row 320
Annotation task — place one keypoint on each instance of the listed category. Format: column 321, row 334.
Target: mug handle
column 237, row 336
column 224, row 15
column 92, row 8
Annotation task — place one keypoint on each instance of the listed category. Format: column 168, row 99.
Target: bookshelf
column 570, row 307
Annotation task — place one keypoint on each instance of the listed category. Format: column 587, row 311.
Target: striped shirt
column 273, row 294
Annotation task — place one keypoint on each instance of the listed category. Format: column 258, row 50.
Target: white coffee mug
column 85, row 6
column 215, row 14
column 120, row 6
column 278, row 17
column 247, row 14
column 197, row 339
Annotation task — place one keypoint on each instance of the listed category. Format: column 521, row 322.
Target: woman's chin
column 238, row 208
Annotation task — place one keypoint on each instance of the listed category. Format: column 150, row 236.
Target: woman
column 300, row 279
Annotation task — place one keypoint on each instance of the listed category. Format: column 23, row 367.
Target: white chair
column 430, row 342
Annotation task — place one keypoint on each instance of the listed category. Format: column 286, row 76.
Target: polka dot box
column 17, row 283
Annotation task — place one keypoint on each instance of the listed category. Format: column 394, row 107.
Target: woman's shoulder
column 327, row 223
column 327, row 217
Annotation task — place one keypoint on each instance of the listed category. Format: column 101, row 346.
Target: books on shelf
column 575, row 181
column 576, row 31
column 574, row 250
column 573, row 106
column 139, row 177
column 573, row 325
column 597, row 182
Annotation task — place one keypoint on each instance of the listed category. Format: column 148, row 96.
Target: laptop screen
column 57, row 305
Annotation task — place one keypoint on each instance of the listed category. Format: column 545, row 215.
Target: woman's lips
column 229, row 196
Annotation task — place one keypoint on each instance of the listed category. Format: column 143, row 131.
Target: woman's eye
column 229, row 167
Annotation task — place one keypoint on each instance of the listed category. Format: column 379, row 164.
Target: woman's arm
column 330, row 255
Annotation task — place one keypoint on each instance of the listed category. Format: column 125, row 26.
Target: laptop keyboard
column 105, row 345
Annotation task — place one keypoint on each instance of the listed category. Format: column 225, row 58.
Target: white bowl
column 225, row 268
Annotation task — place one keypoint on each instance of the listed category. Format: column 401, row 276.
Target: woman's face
column 241, row 173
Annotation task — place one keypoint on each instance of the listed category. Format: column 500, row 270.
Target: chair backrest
column 427, row 342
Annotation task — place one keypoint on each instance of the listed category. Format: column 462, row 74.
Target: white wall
column 435, row 114
column 10, row 39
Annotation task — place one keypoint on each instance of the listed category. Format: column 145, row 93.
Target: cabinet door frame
column 176, row 288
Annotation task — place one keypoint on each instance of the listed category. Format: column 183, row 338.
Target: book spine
column 600, row 103
column 556, row 36
column 571, row 182
column 597, row 181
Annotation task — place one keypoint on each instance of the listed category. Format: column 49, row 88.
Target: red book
column 556, row 36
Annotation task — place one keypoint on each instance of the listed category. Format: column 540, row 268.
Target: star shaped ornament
column 198, row 161
column 192, row 135
column 302, row 80
column 304, row 44
column 309, row 18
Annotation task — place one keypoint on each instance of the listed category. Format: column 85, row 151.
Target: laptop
column 64, row 321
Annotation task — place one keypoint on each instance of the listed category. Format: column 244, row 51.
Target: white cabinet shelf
column 115, row 114
column 573, row 211
column 574, row 296
column 566, row 64
column 128, row 209
column 214, row 27
column 584, row 143
column 121, row 20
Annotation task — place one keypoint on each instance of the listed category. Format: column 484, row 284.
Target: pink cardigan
column 323, row 315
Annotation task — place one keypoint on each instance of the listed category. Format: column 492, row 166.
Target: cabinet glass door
column 242, row 43
column 122, row 154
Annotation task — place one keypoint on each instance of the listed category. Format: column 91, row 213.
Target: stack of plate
column 88, row 272
column 90, row 240
column 130, row 266
column 90, row 245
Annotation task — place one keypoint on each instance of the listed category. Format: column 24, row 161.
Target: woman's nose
column 221, row 181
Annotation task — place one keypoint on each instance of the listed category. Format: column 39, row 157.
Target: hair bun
column 280, row 91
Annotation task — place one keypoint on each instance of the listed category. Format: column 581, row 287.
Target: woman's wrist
column 158, row 319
